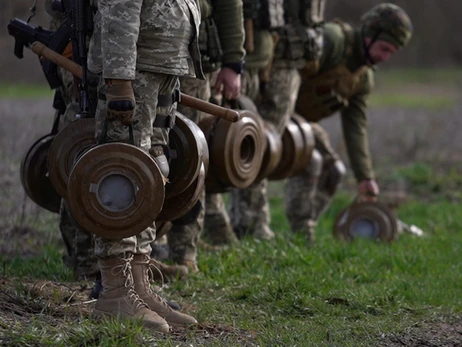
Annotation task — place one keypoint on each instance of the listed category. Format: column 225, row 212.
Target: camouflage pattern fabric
column 127, row 35
column 279, row 97
column 308, row 194
column 388, row 22
column 217, row 224
column 146, row 87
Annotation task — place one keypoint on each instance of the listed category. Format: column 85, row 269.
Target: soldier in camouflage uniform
column 343, row 83
column 221, row 42
column 291, row 31
column 80, row 255
column 139, row 48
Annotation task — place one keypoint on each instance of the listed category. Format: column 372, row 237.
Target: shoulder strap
column 348, row 31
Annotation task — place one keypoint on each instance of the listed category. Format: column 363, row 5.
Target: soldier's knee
column 337, row 173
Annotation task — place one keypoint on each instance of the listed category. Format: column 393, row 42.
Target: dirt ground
column 57, row 303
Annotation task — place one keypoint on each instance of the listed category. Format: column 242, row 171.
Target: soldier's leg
column 278, row 99
column 249, row 211
column 183, row 239
column 300, row 193
column 217, row 225
column 120, row 295
column 249, row 208
column 321, row 181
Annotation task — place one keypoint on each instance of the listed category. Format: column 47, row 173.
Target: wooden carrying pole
column 187, row 100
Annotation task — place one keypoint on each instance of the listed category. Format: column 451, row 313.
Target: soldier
column 343, row 83
column 80, row 255
column 221, row 42
column 287, row 35
column 139, row 49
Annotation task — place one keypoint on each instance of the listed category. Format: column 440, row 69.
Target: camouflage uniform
column 152, row 58
column 142, row 46
column 80, row 255
column 343, row 82
column 227, row 16
column 298, row 40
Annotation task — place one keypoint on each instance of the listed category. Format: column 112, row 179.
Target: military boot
column 263, row 232
column 222, row 234
column 141, row 275
column 119, row 298
column 164, row 273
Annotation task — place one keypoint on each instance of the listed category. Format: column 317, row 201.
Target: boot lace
column 152, row 264
column 125, row 270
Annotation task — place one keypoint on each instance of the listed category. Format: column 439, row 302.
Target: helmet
column 387, row 22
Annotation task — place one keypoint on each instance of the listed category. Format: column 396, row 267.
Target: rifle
column 25, row 34
column 75, row 29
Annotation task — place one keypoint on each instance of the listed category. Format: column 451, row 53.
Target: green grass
column 24, row 91
column 415, row 88
column 409, row 101
column 287, row 294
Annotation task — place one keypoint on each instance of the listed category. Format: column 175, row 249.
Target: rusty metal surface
column 187, row 151
column 91, row 193
column 34, row 175
column 371, row 220
column 74, row 139
column 177, row 206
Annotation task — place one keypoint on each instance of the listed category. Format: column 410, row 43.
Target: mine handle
column 187, row 100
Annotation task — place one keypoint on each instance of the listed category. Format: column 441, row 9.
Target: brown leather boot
column 119, row 298
column 141, row 275
column 164, row 273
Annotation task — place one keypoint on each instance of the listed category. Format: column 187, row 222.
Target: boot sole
column 161, row 328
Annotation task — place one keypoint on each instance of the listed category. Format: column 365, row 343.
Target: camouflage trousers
column 310, row 193
column 250, row 212
column 183, row 239
column 146, row 86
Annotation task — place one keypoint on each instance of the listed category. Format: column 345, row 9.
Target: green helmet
column 387, row 22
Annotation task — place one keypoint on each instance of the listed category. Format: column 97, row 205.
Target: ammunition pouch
column 210, row 46
column 290, row 45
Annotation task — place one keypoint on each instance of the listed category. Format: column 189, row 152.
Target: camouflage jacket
column 156, row 35
column 345, row 54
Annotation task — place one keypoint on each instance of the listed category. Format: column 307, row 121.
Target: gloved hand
column 368, row 190
column 120, row 100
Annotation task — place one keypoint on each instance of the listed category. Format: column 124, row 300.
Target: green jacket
column 228, row 19
column 354, row 117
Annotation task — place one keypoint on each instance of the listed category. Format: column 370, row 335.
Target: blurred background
column 414, row 111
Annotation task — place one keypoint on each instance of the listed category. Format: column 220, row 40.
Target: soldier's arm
column 354, row 123
column 229, row 20
column 120, row 28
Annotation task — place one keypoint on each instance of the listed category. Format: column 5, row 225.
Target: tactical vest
column 324, row 94
column 209, row 40
column 301, row 37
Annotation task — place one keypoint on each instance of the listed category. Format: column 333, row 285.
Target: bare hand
column 228, row 83
column 368, row 190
